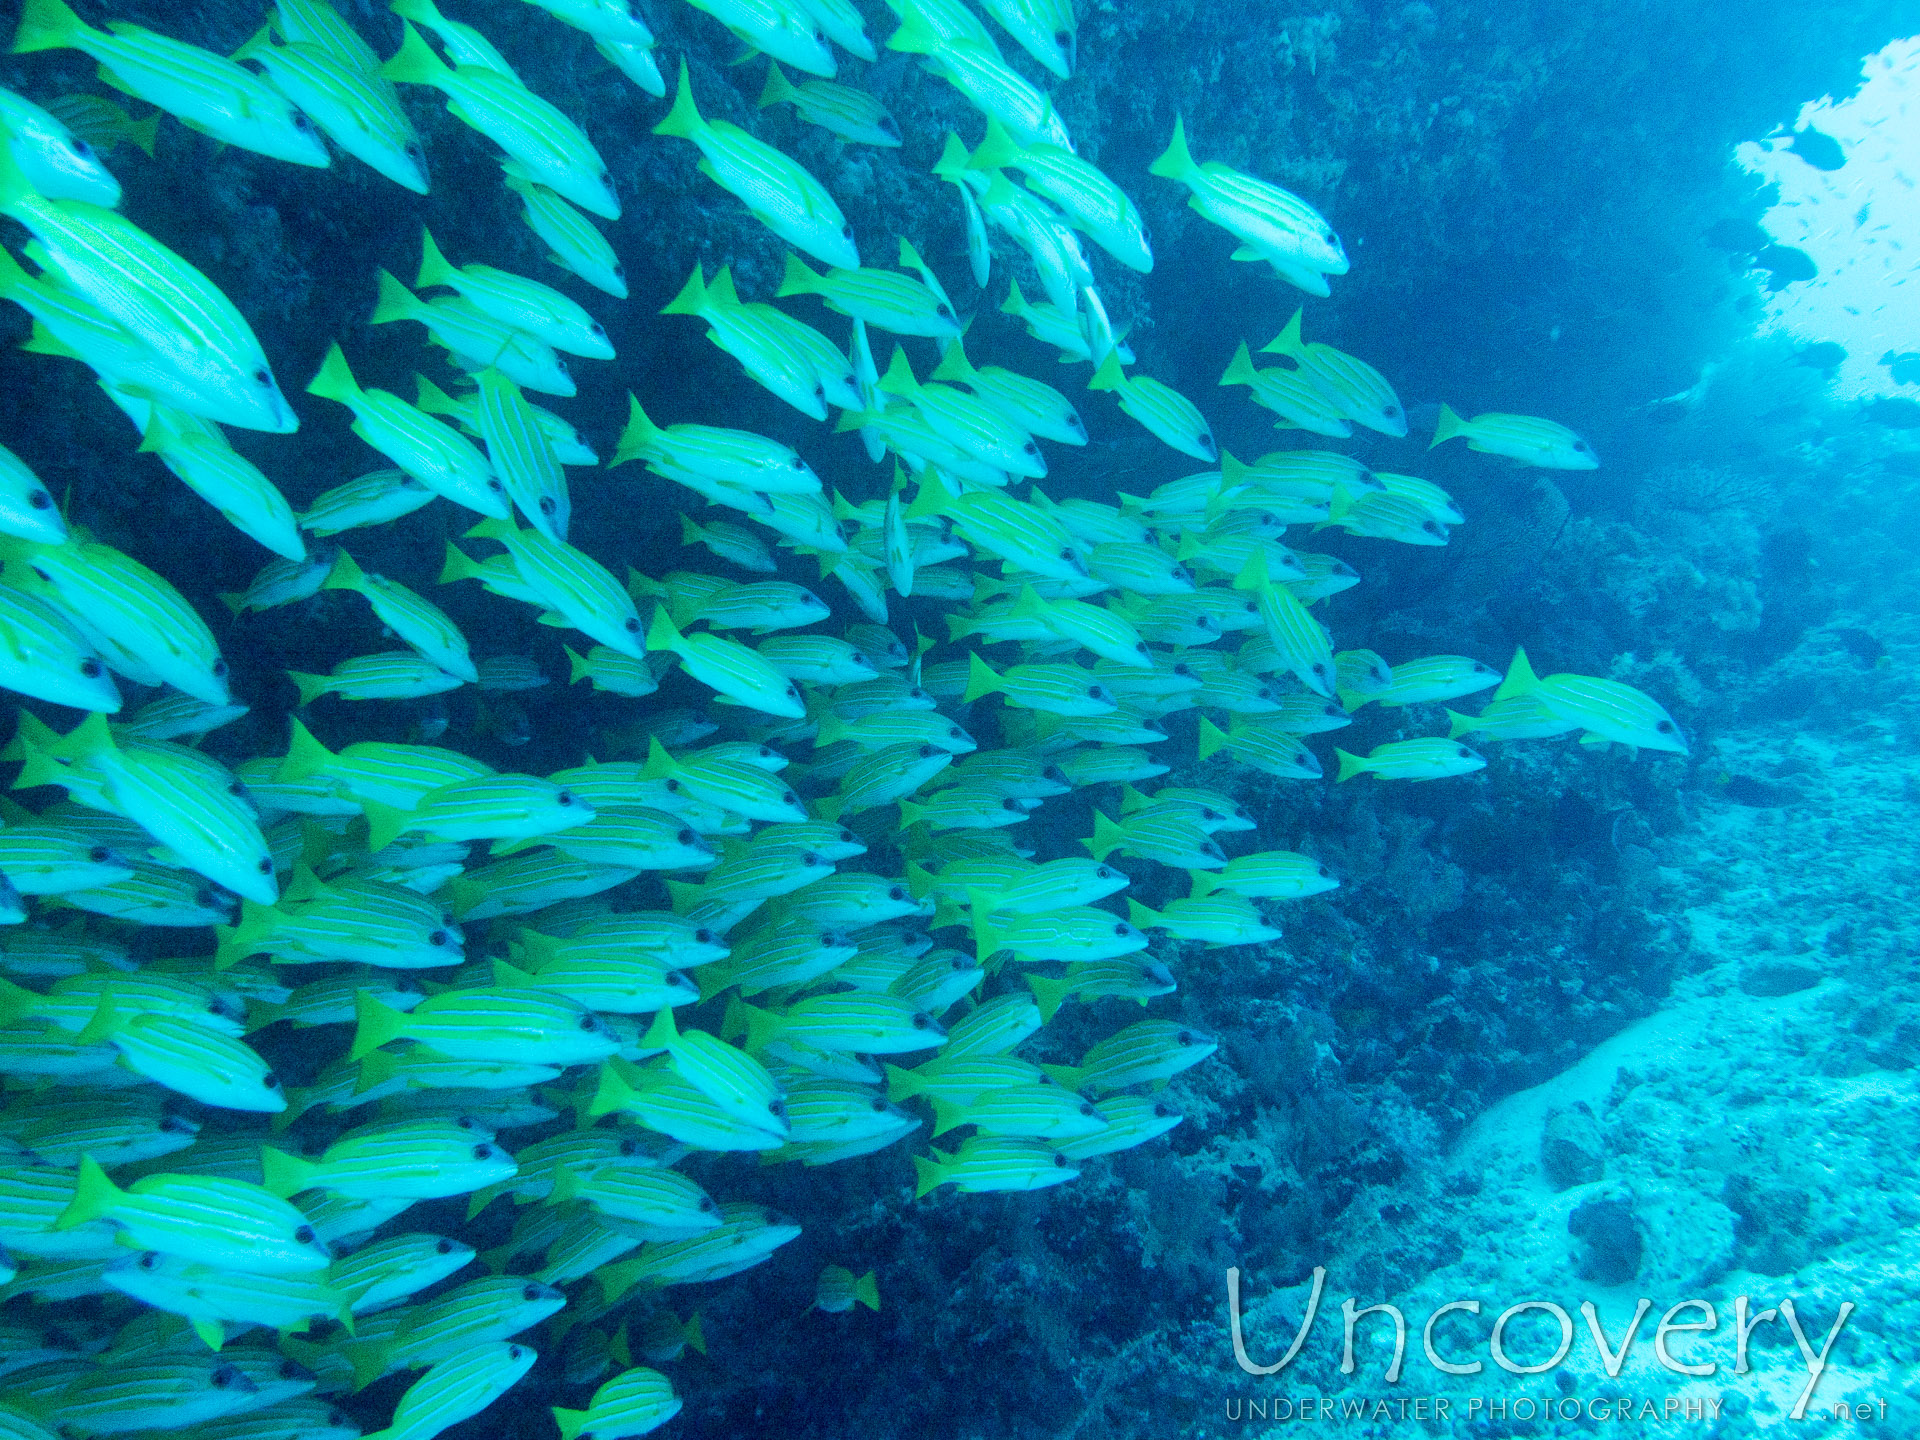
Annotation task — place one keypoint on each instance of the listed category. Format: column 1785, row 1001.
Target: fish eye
column 439, row 937
column 40, row 500
column 304, row 1235
column 1185, row 1037
column 1093, row 692
column 633, row 627
column 495, row 486
column 83, row 149
column 605, row 178
column 809, row 858
column 150, row 1260
column 565, row 797
column 514, row 1352
column 300, row 122
column 594, row 327
column 443, row 1247
column 776, row 1108
column 262, row 376
column 547, row 505
column 1103, row 873
column 921, row 1020
column 530, row 1292
column 787, row 797
column 896, row 893
column 265, row 866
column 685, row 837
column 1059, row 1161
column 1325, row 874
column 945, row 313
column 619, row 271
column 846, row 231
column 706, row 1201
column 224, row 1376
column 91, row 669
column 414, row 152
column 483, row 1152
column 704, row 936
column 1665, row 727
column 220, row 669
column 99, row 854
column 673, row 787
column 1030, row 448
column 1122, row 928
column 1580, row 445
column 589, row 1023
column 270, row 1080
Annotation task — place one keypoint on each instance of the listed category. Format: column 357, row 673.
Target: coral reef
column 1629, row 936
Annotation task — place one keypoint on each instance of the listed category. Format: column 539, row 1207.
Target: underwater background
column 1584, row 1024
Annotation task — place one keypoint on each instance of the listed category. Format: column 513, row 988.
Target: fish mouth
column 285, row 421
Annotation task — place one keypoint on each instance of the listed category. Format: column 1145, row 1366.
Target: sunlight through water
column 1859, row 223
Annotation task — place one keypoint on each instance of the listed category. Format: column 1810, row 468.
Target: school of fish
column 858, row 944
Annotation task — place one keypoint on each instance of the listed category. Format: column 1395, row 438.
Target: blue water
column 1526, row 194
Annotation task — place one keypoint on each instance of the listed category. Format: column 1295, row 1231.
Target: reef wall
column 1524, row 188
